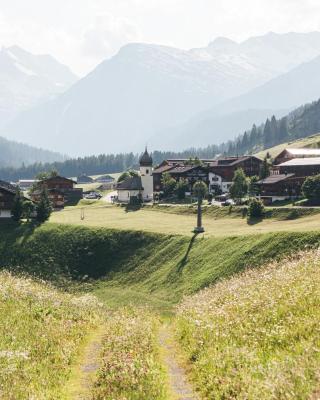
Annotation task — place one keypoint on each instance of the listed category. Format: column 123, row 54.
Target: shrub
column 256, row 208
column 311, row 188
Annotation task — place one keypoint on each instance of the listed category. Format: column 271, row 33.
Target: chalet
column 290, row 154
column 59, row 189
column 7, row 194
column 104, row 179
column 180, row 169
column 221, row 171
column 277, row 187
column 84, row 179
column 301, row 167
column 138, row 188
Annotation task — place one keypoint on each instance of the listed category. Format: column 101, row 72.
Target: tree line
column 302, row 122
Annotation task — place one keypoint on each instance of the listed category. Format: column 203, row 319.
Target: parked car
column 92, row 196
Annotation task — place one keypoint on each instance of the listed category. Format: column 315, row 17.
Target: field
column 256, row 336
column 41, row 331
column 310, row 141
column 132, row 343
column 110, row 216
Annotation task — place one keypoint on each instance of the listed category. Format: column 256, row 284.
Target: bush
column 311, row 188
column 256, row 208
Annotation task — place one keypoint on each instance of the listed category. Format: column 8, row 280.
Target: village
column 271, row 182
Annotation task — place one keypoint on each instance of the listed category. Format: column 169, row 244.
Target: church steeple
column 146, row 159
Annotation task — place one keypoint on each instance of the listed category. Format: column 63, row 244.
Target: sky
column 82, row 33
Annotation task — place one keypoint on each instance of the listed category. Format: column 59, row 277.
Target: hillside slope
column 14, row 154
column 256, row 335
column 148, row 268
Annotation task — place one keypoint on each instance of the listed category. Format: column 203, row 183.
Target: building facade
column 7, row 194
column 138, row 188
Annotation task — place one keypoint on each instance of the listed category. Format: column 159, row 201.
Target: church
column 137, row 188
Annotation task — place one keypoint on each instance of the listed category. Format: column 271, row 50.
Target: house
column 278, row 187
column 59, row 189
column 301, row 167
column 180, row 169
column 290, row 154
column 26, row 184
column 7, row 194
column 221, row 171
column 84, row 179
column 104, row 179
column 56, row 197
column 140, row 187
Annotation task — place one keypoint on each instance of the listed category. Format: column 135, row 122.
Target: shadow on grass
column 184, row 260
column 132, row 207
column 254, row 221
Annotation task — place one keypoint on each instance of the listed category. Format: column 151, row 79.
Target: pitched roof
column 8, row 187
column 163, row 168
column 57, row 177
column 301, row 162
column 303, row 152
column 274, row 179
column 133, row 183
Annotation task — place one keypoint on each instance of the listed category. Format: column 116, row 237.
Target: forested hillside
column 300, row 123
column 13, row 154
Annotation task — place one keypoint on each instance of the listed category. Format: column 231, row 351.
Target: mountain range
column 168, row 97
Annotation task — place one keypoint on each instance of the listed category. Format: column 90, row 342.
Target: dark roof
column 146, row 159
column 84, row 178
column 181, row 169
column 57, row 177
column 8, row 187
column 231, row 161
column 133, row 183
column 270, row 180
column 163, row 168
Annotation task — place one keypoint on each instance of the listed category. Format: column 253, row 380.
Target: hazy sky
column 81, row 33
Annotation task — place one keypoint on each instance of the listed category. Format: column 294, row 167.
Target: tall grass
column 131, row 368
column 40, row 332
column 257, row 335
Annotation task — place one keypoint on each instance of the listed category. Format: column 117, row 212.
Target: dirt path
column 83, row 374
column 180, row 387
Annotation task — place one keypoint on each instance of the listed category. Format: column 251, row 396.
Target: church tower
column 146, row 170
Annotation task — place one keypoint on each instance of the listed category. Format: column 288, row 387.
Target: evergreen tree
column 283, row 130
column 265, row 168
column 17, row 208
column 267, row 134
column 274, row 131
column 181, row 188
column 43, row 208
column 240, row 185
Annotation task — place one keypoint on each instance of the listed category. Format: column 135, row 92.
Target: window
column 147, row 171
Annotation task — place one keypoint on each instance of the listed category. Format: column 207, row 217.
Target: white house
column 217, row 182
column 138, row 187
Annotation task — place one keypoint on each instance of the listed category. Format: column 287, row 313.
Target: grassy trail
column 84, row 371
column 179, row 385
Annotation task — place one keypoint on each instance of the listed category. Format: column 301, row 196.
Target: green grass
column 181, row 220
column 40, row 333
column 124, row 267
column 310, row 141
column 131, row 365
column 256, row 336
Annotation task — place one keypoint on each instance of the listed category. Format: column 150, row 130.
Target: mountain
column 13, row 154
column 27, row 80
column 278, row 96
column 146, row 89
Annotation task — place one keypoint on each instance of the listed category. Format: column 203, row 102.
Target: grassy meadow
column 235, row 336
column 181, row 221
column 40, row 333
column 256, row 335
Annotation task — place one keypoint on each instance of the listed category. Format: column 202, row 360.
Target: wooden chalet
column 7, row 194
column 61, row 191
column 84, row 179
column 180, row 169
column 278, row 187
column 221, row 171
column 301, row 167
column 290, row 154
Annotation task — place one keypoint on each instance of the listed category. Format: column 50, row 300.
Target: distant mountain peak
column 222, row 42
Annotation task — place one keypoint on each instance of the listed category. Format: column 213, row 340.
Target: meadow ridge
column 181, row 223
column 256, row 335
